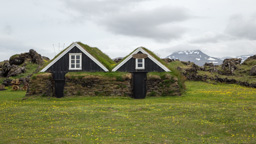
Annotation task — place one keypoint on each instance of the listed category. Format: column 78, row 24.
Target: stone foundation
column 92, row 85
column 41, row 84
column 100, row 85
column 165, row 85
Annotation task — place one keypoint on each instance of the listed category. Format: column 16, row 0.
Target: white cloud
column 242, row 27
column 213, row 38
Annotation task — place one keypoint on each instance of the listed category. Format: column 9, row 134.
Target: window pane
column 72, row 61
column 72, row 65
column 77, row 61
column 139, row 65
column 77, row 65
column 77, row 56
column 72, row 57
column 139, row 60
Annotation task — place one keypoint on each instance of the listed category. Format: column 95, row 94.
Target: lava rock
column 210, row 67
column 6, row 68
column 15, row 70
column 229, row 66
column 168, row 60
column 185, row 63
column 253, row 71
column 36, row 58
column 7, row 82
column 209, row 64
column 16, row 60
column 117, row 60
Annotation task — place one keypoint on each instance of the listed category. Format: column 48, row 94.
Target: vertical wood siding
column 150, row 66
column 63, row 63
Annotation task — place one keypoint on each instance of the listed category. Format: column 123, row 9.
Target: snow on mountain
column 196, row 56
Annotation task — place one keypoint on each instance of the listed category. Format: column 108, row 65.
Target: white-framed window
column 140, row 64
column 75, row 61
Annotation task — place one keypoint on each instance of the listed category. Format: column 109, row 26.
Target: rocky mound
column 21, row 66
column 229, row 66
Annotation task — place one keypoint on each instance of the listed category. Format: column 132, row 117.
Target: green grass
column 240, row 78
column 206, row 113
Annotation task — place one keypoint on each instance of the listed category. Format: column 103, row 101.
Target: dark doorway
column 139, row 80
column 59, row 80
column 59, row 88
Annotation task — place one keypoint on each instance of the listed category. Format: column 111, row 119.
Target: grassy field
column 206, row 113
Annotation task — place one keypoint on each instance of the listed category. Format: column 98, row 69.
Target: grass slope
column 206, row 113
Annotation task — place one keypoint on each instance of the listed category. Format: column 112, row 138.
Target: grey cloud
column 242, row 27
column 10, row 46
column 97, row 8
column 160, row 24
column 120, row 17
column 7, row 29
column 213, row 38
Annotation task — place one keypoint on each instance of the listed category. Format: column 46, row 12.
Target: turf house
column 139, row 63
column 81, row 70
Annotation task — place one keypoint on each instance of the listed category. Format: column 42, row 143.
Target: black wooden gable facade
column 140, row 61
column 74, row 58
column 130, row 66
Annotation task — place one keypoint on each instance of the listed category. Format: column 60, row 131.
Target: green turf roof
column 156, row 57
column 149, row 52
column 95, row 52
column 99, row 55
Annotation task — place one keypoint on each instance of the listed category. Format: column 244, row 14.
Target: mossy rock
column 16, row 59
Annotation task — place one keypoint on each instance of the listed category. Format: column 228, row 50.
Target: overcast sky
column 217, row 27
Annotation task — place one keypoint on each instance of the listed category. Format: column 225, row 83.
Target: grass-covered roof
column 149, row 52
column 95, row 52
column 156, row 57
column 99, row 55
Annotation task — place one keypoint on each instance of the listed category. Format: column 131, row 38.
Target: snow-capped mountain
column 196, row 56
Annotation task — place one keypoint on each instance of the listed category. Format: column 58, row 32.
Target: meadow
column 206, row 113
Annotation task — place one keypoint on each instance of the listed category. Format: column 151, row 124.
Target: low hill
column 231, row 71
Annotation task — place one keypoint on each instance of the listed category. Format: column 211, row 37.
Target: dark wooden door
column 139, row 80
column 59, row 79
column 59, row 88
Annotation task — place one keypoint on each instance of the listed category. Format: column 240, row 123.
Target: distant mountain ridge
column 195, row 56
